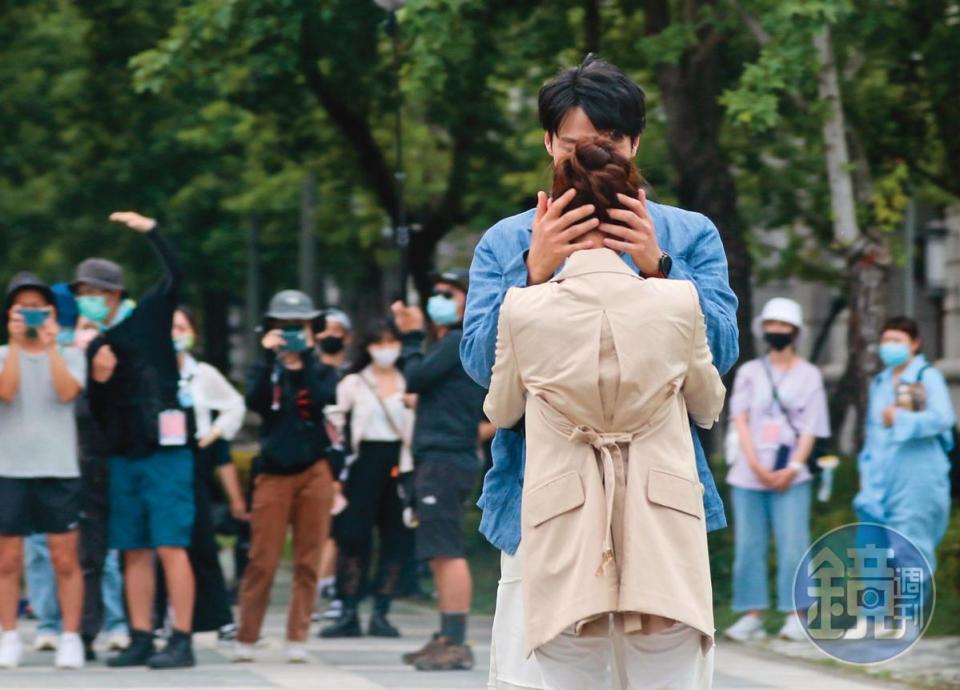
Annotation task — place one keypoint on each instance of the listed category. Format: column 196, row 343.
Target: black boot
column 137, row 654
column 88, row 652
column 177, row 654
column 379, row 625
column 347, row 625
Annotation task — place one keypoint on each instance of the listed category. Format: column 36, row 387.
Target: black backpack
column 952, row 453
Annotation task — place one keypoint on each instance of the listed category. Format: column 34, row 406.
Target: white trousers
column 668, row 660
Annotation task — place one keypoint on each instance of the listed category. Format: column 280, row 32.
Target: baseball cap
column 459, row 277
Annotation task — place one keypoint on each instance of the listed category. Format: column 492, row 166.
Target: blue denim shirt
column 499, row 263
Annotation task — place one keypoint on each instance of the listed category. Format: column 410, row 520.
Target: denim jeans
column 42, row 588
column 41, row 584
column 755, row 513
column 115, row 616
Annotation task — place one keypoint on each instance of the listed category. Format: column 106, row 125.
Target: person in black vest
column 288, row 388
column 133, row 397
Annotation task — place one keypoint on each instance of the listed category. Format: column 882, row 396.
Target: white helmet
column 779, row 309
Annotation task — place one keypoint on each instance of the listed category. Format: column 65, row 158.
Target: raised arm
column 703, row 390
column 506, row 399
column 169, row 284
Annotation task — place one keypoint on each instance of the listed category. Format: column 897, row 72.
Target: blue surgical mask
column 442, row 310
column 183, row 343
column 93, row 307
column 895, row 354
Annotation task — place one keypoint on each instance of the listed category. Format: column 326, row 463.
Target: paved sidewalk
column 374, row 664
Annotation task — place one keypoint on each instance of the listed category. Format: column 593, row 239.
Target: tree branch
column 354, row 125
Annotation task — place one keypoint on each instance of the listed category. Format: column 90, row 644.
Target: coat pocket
column 673, row 491
column 554, row 497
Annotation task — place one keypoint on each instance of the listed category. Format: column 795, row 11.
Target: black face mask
column 331, row 345
column 779, row 341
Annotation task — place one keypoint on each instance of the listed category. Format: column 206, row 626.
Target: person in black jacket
column 288, row 388
column 445, row 443
column 133, row 381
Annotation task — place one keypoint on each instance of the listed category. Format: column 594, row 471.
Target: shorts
column 39, row 505
column 151, row 500
column 443, row 485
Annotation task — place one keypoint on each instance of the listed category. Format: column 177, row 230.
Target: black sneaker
column 89, row 654
column 137, row 654
column 227, row 633
column 348, row 625
column 381, row 627
column 177, row 654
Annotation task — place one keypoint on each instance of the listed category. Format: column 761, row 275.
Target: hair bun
column 592, row 155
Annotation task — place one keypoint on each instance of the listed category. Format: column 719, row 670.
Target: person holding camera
column 39, row 468
column 288, row 388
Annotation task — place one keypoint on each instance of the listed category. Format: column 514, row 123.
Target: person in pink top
column 779, row 409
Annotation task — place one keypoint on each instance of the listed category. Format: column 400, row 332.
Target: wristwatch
column 663, row 267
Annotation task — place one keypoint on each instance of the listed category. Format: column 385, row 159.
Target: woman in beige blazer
column 605, row 368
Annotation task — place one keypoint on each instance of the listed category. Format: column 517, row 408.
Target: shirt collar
column 588, row 261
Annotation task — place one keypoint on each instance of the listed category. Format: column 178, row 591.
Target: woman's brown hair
column 598, row 173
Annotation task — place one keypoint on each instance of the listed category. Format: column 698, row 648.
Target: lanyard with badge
column 173, row 423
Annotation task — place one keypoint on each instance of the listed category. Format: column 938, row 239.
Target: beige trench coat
column 612, row 517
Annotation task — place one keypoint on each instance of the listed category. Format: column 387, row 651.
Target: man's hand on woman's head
column 555, row 234
column 635, row 233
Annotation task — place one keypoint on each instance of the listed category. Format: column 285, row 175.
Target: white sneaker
column 792, row 629
column 45, row 642
column 297, row 653
column 242, row 652
column 333, row 611
column 747, row 628
column 118, row 641
column 11, row 649
column 70, row 651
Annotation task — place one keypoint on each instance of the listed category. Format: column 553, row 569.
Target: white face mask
column 385, row 357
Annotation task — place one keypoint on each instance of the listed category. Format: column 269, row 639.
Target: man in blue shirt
column 527, row 249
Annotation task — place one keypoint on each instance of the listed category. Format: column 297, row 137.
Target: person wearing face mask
column 133, row 382
column 333, row 343
column 289, row 388
column 373, row 396
column 39, row 469
column 779, row 409
column 215, row 414
column 450, row 408
column 904, row 465
column 335, row 339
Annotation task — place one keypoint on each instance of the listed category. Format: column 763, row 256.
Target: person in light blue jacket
column 904, row 465
column 656, row 240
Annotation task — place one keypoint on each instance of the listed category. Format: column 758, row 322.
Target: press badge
column 770, row 434
column 173, row 428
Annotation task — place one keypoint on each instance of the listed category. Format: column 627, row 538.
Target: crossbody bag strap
column 776, row 398
column 383, row 406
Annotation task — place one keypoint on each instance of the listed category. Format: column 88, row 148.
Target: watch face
column 666, row 263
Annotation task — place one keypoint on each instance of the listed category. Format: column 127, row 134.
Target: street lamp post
column 401, row 232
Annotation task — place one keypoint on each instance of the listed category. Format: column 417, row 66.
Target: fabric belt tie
column 607, row 444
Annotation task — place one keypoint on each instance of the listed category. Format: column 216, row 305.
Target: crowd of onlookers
column 116, row 459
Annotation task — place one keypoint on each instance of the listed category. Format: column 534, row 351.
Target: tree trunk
column 591, row 25
column 216, row 329
column 689, row 91
column 867, row 263
column 308, row 236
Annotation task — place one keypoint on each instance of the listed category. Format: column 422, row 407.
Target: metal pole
column 253, row 315
column 308, row 236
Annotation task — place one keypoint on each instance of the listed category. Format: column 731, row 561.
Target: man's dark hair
column 613, row 102
column 903, row 324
